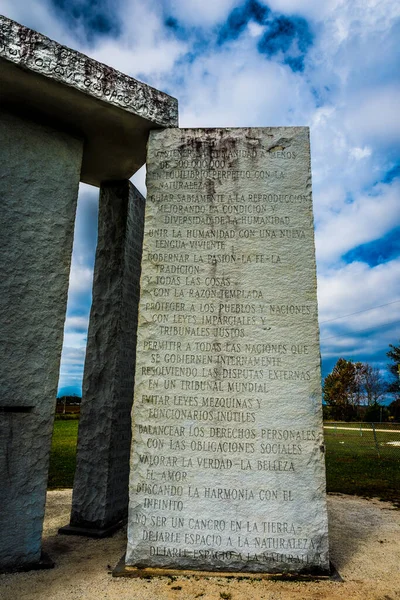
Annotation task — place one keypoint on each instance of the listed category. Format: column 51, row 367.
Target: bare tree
column 394, row 369
column 373, row 384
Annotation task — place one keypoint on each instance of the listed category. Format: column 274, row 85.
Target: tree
column 373, row 384
column 68, row 400
column 394, row 409
column 376, row 413
column 351, row 385
column 343, row 389
column 394, row 369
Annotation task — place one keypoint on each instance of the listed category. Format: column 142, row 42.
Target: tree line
column 355, row 390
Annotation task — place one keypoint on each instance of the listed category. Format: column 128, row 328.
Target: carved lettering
column 226, row 420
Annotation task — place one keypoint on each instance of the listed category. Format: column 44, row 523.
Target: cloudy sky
column 330, row 64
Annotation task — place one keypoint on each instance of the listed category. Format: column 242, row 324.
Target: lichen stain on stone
column 228, row 144
column 275, row 149
column 252, row 141
column 192, row 142
column 109, row 78
column 198, row 144
column 280, row 145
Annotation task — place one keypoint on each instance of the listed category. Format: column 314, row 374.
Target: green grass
column 352, row 463
column 63, row 454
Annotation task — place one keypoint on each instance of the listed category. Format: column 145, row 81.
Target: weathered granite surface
column 39, row 186
column 100, row 497
column 56, row 84
column 227, row 465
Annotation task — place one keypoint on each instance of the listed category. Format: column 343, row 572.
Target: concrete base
column 123, row 570
column 92, row 532
column 45, row 562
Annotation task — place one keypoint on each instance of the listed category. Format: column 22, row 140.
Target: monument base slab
column 92, row 532
column 124, row 570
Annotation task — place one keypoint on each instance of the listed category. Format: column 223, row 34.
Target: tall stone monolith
column 100, row 497
column 227, row 466
column 39, row 189
column 65, row 118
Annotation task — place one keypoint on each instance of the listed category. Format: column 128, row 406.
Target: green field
column 354, row 467
column 63, row 453
column 352, row 462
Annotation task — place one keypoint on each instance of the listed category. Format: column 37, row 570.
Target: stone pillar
column 44, row 82
column 227, row 464
column 100, row 498
column 39, row 187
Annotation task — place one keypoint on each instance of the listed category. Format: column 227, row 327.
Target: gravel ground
column 365, row 548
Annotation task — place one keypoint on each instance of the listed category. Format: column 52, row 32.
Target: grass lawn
column 63, row 453
column 352, row 463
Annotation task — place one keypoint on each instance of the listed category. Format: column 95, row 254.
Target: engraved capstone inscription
column 34, row 52
column 227, row 465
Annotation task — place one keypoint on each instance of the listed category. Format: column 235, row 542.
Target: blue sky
column 332, row 65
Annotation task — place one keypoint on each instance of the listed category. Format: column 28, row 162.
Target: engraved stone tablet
column 227, row 466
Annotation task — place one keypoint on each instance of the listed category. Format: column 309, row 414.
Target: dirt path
column 365, row 548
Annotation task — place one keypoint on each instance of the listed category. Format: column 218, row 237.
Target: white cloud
column 337, row 293
column 74, row 348
column 357, row 288
column 37, row 14
column 375, row 115
column 238, row 87
column 76, row 322
column 144, row 33
column 72, row 362
column 348, row 95
column 360, row 153
column 367, row 218
column 254, row 29
column 81, row 278
column 136, row 53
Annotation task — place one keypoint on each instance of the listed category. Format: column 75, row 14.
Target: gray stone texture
column 227, row 464
column 112, row 111
column 38, row 187
column 100, row 497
